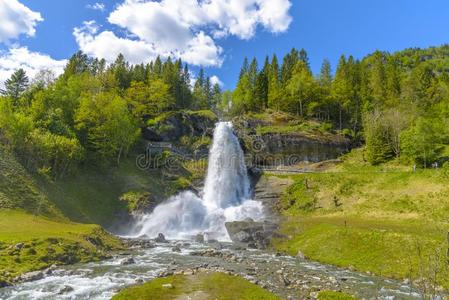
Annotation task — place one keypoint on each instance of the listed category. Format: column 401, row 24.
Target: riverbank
column 385, row 220
column 282, row 275
column 33, row 243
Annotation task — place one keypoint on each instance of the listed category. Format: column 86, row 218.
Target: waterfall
column 226, row 196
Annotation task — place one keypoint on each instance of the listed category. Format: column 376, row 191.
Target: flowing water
column 226, row 197
column 103, row 279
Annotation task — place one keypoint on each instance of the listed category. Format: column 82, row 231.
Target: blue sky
column 218, row 36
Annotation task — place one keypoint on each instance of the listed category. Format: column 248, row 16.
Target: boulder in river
column 30, row 276
column 176, row 249
column 128, row 261
column 199, row 238
column 251, row 233
column 160, row 238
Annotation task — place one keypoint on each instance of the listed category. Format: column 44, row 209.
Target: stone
column 199, row 238
column 176, row 249
column 30, row 276
column 253, row 234
column 168, row 286
column 160, row 238
column 66, row 289
column 243, row 236
column 19, row 246
column 128, row 261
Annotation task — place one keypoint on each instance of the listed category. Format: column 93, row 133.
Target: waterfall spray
column 226, row 196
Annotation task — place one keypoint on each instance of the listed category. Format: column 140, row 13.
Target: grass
column 18, row 189
column 385, row 220
column 200, row 286
column 29, row 242
column 272, row 122
column 96, row 196
column 331, row 295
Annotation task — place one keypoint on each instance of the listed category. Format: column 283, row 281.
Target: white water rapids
column 226, row 196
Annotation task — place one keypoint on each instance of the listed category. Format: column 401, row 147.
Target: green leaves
column 105, row 127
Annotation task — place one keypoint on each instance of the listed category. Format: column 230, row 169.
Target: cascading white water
column 226, row 196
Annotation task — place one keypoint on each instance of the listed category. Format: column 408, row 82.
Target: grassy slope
column 28, row 216
column 386, row 220
column 45, row 242
column 200, row 286
column 273, row 122
column 19, row 190
column 93, row 196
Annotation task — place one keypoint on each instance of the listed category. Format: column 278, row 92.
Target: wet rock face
column 252, row 234
column 273, row 149
column 268, row 190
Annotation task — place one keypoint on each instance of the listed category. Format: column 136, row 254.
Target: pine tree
column 121, row 70
column 16, row 85
column 288, row 64
column 78, row 63
column 301, row 89
column 304, row 58
column 340, row 89
column 245, row 68
column 325, row 83
column 274, row 88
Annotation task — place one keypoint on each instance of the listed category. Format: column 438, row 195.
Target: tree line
column 397, row 104
column 93, row 112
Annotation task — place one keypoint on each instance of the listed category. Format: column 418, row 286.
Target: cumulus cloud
column 107, row 45
column 17, row 19
column 96, row 6
column 31, row 62
column 215, row 80
column 188, row 29
column 200, row 50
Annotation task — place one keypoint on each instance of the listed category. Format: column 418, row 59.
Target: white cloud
column 107, row 45
column 17, row 19
column 31, row 62
column 96, row 6
column 188, row 29
column 201, row 50
column 215, row 80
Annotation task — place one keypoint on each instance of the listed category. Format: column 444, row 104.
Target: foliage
column 93, row 111
column 105, row 126
column 55, row 152
column 420, row 143
column 374, row 99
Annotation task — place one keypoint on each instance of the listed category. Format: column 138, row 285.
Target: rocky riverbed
column 288, row 277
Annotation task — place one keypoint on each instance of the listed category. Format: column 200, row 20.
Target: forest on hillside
column 396, row 104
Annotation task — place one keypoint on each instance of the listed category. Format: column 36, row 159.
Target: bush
column 55, row 153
